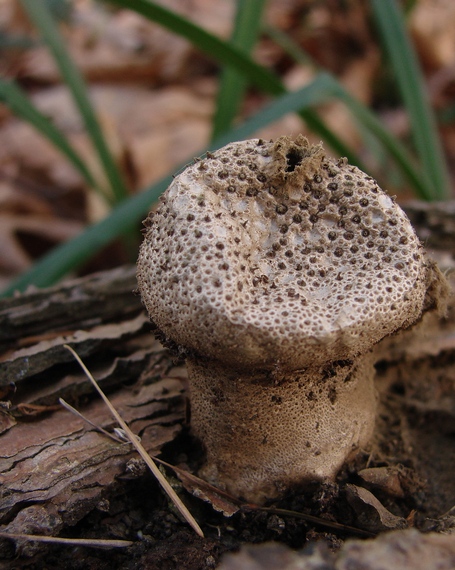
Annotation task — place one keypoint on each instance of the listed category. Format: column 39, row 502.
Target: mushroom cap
column 270, row 254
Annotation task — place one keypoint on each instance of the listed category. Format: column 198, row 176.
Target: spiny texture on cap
column 264, row 252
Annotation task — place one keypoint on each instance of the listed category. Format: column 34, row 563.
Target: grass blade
column 289, row 46
column 411, row 84
column 40, row 15
column 209, row 44
column 395, row 148
column 232, row 83
column 320, row 90
column 70, row 255
column 311, row 118
column 21, row 106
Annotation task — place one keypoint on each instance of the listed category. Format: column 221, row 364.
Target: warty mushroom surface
column 274, row 269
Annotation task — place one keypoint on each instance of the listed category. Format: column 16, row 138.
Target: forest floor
column 156, row 96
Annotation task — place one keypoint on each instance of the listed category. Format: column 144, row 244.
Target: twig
column 311, row 518
column 82, row 417
column 93, row 542
column 142, row 452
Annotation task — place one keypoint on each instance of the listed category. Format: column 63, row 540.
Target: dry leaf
column 370, row 513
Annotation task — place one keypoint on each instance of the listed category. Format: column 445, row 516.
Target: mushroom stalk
column 266, row 432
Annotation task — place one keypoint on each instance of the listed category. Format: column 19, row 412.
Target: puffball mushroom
column 273, row 270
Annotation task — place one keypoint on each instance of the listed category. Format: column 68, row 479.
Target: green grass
column 41, row 15
column 403, row 60
column 13, row 96
column 233, row 84
column 422, row 167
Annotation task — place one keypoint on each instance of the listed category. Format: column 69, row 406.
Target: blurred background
column 102, row 101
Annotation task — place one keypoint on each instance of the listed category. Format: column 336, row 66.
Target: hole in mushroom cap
column 293, row 159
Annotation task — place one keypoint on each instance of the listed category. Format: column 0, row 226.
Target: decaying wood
column 54, row 468
column 60, row 469
column 74, row 305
